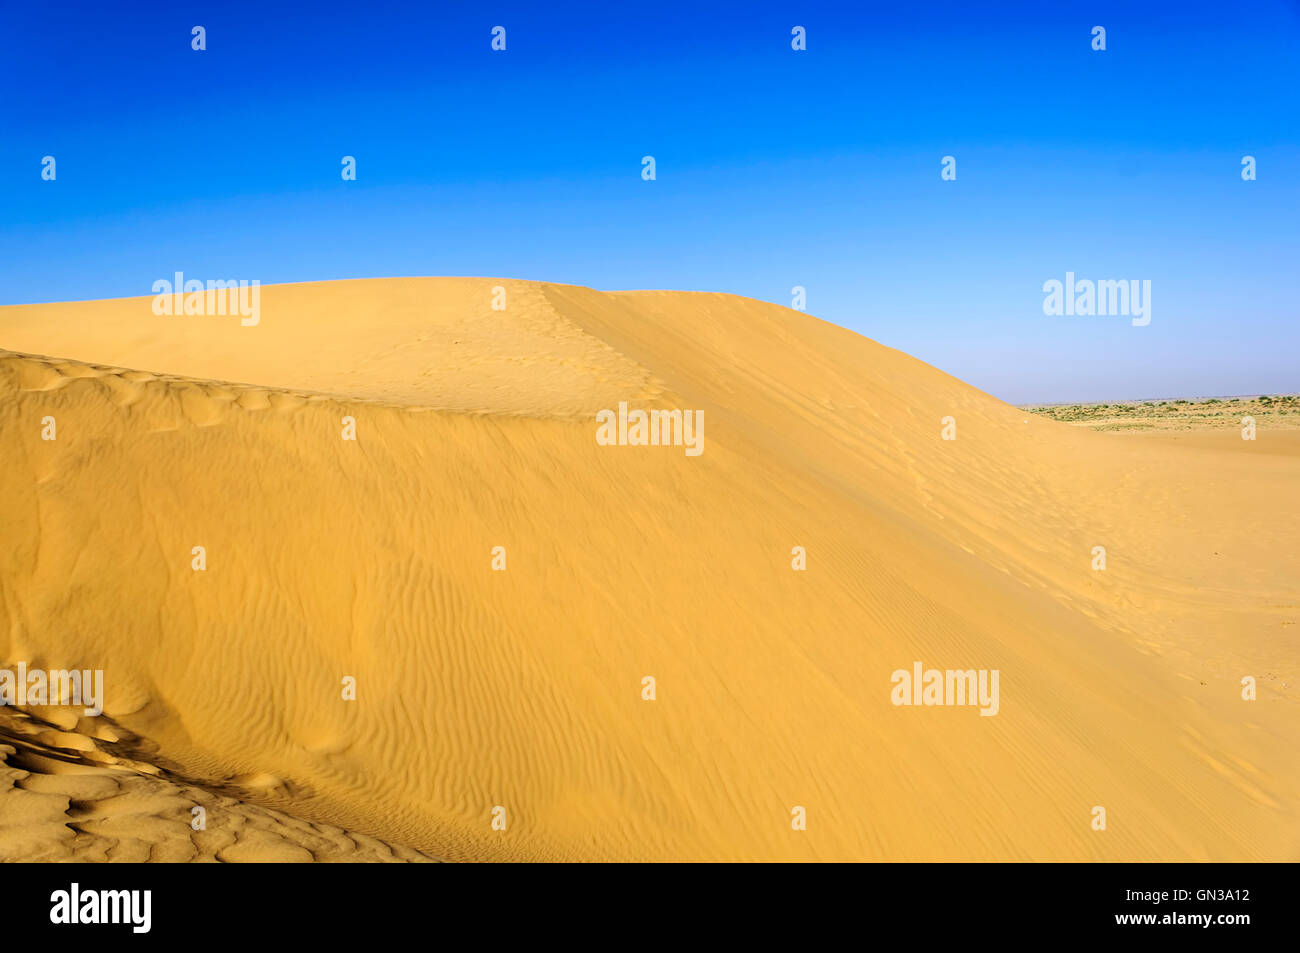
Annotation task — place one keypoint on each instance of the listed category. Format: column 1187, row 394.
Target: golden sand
column 522, row 689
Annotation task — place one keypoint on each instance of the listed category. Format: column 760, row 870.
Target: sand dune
column 522, row 689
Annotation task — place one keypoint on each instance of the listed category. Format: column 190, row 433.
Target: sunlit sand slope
column 522, row 689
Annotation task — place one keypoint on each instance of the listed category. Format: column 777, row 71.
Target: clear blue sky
column 775, row 168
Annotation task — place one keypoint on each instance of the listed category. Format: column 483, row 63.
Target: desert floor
column 489, row 697
column 1274, row 412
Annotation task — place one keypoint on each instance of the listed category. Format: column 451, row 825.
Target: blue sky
column 775, row 168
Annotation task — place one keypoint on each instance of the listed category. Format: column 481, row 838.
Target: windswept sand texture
column 68, row 796
column 475, row 429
